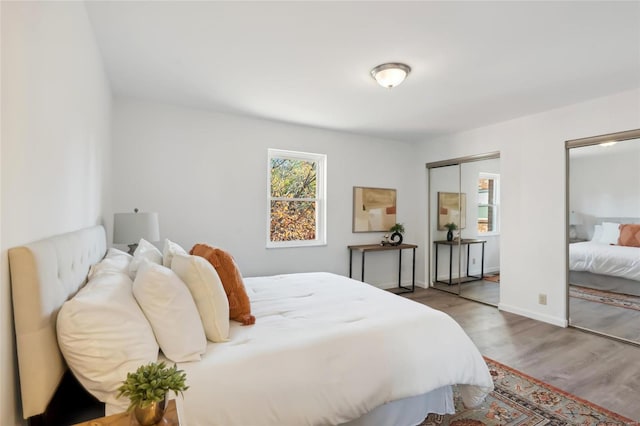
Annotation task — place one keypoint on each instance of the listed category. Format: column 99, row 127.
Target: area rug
column 493, row 278
column 520, row 400
column 615, row 299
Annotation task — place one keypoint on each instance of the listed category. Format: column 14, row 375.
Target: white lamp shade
column 575, row 218
column 128, row 228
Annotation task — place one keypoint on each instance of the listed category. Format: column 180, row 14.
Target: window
column 488, row 203
column 296, row 199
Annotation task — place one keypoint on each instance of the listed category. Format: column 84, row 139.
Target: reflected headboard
column 44, row 275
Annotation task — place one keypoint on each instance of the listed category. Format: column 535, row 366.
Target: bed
column 325, row 349
column 603, row 263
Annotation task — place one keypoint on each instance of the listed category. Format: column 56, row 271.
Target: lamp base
column 132, row 248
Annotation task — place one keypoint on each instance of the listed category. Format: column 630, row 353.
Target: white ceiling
column 474, row 63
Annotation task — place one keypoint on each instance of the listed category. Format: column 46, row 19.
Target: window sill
column 489, row 234
column 295, row 244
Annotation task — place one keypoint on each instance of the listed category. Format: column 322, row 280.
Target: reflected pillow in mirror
column 629, row 235
column 597, row 234
column 610, row 233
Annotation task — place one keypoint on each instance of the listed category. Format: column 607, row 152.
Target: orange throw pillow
column 629, row 235
column 239, row 305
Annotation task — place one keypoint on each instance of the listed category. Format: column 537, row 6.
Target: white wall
column 532, row 165
column 205, row 174
column 604, row 184
column 55, row 149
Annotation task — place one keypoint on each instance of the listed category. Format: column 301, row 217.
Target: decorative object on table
column 452, row 207
column 374, row 209
column 128, row 228
column 148, row 388
column 385, row 240
column 450, row 228
column 396, row 233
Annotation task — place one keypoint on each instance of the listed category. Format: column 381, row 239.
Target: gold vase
column 151, row 414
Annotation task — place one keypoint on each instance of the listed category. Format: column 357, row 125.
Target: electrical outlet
column 542, row 299
column 473, row 261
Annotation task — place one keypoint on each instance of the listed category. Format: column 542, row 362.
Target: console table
column 451, row 244
column 364, row 248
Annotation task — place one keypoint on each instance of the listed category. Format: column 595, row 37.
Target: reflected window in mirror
column 488, row 203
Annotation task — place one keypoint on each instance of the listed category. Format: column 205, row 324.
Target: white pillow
column 114, row 261
column 103, row 335
column 208, row 293
column 170, row 249
column 171, row 311
column 144, row 251
column 610, row 233
column 597, row 234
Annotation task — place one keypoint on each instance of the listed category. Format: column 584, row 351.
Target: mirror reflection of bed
column 604, row 235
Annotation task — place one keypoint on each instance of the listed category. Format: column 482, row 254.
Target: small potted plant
column 450, row 228
column 147, row 389
column 396, row 233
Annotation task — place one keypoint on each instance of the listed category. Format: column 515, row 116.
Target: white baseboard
column 560, row 322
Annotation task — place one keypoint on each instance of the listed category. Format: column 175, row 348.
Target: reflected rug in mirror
column 520, row 400
column 615, row 299
column 493, row 278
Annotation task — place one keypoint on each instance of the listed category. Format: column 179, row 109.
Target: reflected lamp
column 128, row 228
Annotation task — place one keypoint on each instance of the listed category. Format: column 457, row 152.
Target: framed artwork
column 452, row 208
column 374, row 209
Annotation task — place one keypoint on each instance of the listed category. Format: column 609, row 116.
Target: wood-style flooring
column 611, row 320
column 595, row 368
column 483, row 291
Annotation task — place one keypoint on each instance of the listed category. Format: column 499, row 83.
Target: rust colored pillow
column 239, row 305
column 629, row 235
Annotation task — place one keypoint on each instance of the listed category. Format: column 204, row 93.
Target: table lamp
column 128, row 228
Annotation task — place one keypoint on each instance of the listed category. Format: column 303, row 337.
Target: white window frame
column 496, row 204
column 321, row 197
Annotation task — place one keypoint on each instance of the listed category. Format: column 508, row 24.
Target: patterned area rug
column 616, row 299
column 520, row 400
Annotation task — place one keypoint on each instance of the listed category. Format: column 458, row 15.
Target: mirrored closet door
column 464, row 196
column 445, row 199
column 603, row 234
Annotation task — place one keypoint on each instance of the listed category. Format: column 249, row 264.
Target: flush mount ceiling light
column 390, row 74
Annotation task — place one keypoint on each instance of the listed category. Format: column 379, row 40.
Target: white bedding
column 604, row 259
column 326, row 349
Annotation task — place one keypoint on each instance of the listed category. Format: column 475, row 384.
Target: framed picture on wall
column 452, row 208
column 374, row 209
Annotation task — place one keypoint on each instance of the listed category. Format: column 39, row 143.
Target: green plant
column 151, row 383
column 451, row 226
column 398, row 227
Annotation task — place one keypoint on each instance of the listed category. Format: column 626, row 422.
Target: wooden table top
column 128, row 419
column 380, row 247
column 464, row 241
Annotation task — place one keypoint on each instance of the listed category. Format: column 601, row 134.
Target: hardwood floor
column 482, row 291
column 600, row 370
column 612, row 320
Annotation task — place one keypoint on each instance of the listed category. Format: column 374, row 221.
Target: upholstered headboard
column 44, row 275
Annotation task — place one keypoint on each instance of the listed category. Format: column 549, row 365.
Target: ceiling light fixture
column 390, row 74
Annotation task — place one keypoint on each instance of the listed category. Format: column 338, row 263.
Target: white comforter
column 326, row 349
column 598, row 258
